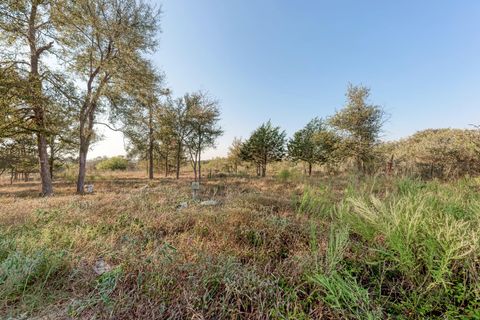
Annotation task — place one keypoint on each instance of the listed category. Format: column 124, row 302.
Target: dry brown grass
column 276, row 248
column 133, row 224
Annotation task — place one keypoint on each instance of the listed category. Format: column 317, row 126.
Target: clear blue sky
column 289, row 61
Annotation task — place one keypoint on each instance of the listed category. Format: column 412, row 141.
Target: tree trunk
column 150, row 145
column 47, row 188
column 39, row 113
column 150, row 160
column 166, row 165
column 264, row 166
column 85, row 136
column 309, row 169
column 179, row 149
column 199, row 167
column 52, row 157
column 194, row 165
column 82, row 167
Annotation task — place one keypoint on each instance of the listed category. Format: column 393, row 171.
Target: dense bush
column 436, row 153
column 114, row 163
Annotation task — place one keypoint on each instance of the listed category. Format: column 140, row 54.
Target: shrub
column 284, row 175
column 114, row 163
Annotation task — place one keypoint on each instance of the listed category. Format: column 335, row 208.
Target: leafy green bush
column 114, row 163
column 284, row 175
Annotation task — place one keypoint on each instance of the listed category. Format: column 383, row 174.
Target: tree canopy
column 266, row 144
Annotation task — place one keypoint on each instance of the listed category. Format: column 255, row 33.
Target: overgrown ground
column 280, row 248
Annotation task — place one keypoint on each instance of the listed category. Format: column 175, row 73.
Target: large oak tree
column 104, row 42
column 26, row 35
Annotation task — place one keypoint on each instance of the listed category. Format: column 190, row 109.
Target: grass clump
column 425, row 253
column 26, row 276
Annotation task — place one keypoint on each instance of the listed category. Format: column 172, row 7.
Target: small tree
column 235, row 153
column 312, row 144
column 360, row 125
column 203, row 118
column 173, row 119
column 265, row 145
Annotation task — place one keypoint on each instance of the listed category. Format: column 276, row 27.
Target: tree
column 203, row 117
column 165, row 135
column 136, row 111
column 18, row 154
column 360, row 125
column 62, row 125
column 27, row 25
column 104, row 41
column 265, row 145
column 235, row 153
column 174, row 121
column 313, row 144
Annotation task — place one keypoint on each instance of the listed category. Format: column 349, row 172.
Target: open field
column 280, row 248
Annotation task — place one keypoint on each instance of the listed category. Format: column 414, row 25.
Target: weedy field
column 276, row 248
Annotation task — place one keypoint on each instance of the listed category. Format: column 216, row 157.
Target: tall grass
column 428, row 250
column 373, row 248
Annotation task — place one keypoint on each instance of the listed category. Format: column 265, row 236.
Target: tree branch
column 108, row 126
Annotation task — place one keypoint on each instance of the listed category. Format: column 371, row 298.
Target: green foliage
column 284, row 175
column 21, row 272
column 315, row 202
column 437, row 153
column 266, row 144
column 343, row 294
column 360, row 124
column 312, row 144
column 114, row 163
column 106, row 283
column 235, row 153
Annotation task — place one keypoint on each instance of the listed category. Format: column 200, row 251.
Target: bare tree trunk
column 52, row 156
column 194, row 165
column 150, row 145
column 47, row 188
column 166, row 165
column 264, row 166
column 179, row 150
column 39, row 113
column 85, row 136
column 150, row 160
column 82, row 166
column 199, row 166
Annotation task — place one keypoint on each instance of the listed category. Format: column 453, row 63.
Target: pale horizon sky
column 291, row 61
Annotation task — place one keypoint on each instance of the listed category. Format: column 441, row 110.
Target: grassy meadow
column 282, row 247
